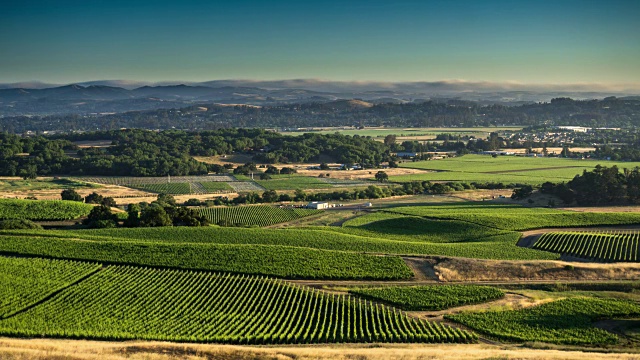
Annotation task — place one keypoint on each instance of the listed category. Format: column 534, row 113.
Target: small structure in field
column 318, row 205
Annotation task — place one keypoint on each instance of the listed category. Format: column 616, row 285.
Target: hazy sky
column 478, row 40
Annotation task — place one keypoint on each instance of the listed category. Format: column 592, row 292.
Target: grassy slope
column 567, row 321
column 506, row 169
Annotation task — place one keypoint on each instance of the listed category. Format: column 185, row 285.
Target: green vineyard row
column 430, row 297
column 122, row 302
column 28, row 280
column 261, row 215
column 596, row 245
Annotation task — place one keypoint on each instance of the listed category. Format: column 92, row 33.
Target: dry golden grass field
column 47, row 349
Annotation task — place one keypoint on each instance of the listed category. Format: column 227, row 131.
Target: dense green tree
column 154, row 215
column 101, row 217
column 93, row 198
column 71, row 195
column 270, row 196
column 133, row 216
column 382, row 176
column 522, row 192
column 109, row 201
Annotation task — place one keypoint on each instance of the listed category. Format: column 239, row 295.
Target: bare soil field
column 484, row 194
column 53, row 194
column 509, row 301
column 149, row 197
column 465, row 270
column 359, row 174
column 40, row 349
column 553, row 150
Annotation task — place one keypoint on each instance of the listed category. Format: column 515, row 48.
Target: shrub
column 15, row 224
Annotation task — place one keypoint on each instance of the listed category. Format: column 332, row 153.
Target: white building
column 318, row 205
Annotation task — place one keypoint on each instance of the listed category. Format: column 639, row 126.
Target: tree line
column 600, row 186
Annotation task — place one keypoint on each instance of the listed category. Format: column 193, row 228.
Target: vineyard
column 568, row 321
column 607, row 245
column 166, row 188
column 177, row 185
column 42, row 209
column 335, row 238
column 245, row 186
column 293, row 183
column 26, row 281
column 260, row 215
column 280, row 261
column 122, row 303
column 137, row 181
column 515, row 217
column 433, row 297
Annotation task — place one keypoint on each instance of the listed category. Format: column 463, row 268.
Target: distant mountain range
column 114, row 96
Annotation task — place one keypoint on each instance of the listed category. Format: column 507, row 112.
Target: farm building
column 318, row 205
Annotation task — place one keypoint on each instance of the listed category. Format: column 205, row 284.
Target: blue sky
column 557, row 42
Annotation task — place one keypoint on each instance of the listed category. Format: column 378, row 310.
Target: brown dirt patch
column 483, row 195
column 459, row 269
column 359, row 174
column 422, row 268
column 54, row 194
column 553, row 150
column 508, row 302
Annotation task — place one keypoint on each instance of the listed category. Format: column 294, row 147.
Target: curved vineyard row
column 42, row 209
column 28, row 280
column 597, row 245
column 261, row 215
column 136, row 303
